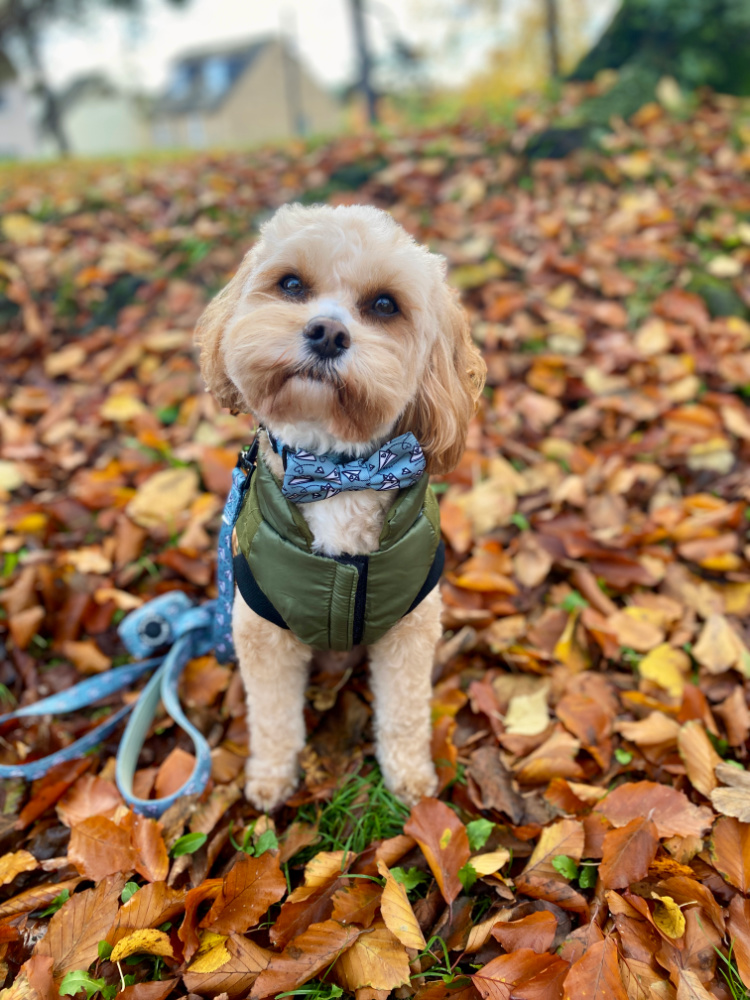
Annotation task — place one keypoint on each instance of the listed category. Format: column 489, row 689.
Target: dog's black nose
column 327, row 337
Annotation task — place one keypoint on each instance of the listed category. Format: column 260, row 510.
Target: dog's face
column 339, row 330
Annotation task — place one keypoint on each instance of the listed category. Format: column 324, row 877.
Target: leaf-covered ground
column 592, row 836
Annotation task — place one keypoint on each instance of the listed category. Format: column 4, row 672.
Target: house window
column 217, row 76
column 196, row 132
column 162, row 134
column 182, row 78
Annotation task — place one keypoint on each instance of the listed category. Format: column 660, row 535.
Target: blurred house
column 18, row 138
column 239, row 95
column 99, row 119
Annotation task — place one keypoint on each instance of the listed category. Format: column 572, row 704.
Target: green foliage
column 267, row 841
column 314, row 990
column 467, row 875
column 409, row 879
column 188, row 844
column 587, row 875
column 104, row 949
column 623, row 757
column 361, row 810
column 478, row 832
column 77, row 980
column 574, row 602
column 55, row 905
column 566, row 866
column 520, row 521
column 129, row 890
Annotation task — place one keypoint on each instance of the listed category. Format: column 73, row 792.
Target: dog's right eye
column 291, row 285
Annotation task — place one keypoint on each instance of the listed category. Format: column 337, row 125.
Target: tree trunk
column 365, row 63
column 51, row 110
column 553, row 37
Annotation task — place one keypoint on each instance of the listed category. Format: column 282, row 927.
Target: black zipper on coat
column 360, row 596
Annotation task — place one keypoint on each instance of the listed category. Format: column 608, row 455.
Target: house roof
column 203, row 78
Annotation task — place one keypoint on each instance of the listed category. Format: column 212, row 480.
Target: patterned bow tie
column 396, row 465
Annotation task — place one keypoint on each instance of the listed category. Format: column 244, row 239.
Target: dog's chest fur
column 349, row 523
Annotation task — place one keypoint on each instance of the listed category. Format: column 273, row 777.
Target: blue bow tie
column 396, row 465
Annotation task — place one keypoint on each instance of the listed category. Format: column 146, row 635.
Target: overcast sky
column 139, row 52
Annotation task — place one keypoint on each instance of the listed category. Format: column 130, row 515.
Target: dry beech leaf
column 668, row 916
column 151, row 906
column 718, row 647
column 251, row 886
column 596, row 975
column 149, row 941
column 357, row 903
column 234, row 977
column 528, row 714
column 669, row 809
column 691, row 988
column 377, row 959
column 627, row 853
column 699, row 756
column 212, row 953
column 74, row 932
column 666, row 666
column 15, row 863
column 397, row 912
column 442, row 837
column 98, row 847
column 523, row 973
column 325, row 866
column 730, row 851
column 734, row 800
column 310, row 952
column 536, row 931
column 493, row 861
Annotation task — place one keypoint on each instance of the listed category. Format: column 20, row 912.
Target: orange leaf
column 671, row 811
column 74, row 932
column 536, row 931
column 442, row 837
column 377, row 960
column 627, row 853
column 98, row 847
column 247, row 892
column 308, row 954
column 730, row 851
column 15, row 863
column 89, row 796
column 235, row 977
column 596, row 975
column 524, row 973
column 151, row 906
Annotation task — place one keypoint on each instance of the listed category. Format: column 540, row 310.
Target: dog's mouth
column 319, row 370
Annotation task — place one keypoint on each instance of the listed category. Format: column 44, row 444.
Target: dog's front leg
column 401, row 667
column 274, row 666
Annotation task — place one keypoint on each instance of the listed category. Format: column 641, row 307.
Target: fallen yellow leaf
column 147, row 941
column 668, row 916
column 397, row 912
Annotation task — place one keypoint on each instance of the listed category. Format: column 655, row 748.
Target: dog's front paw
column 413, row 782
column 266, row 789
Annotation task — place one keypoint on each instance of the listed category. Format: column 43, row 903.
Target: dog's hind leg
column 401, row 668
column 274, row 668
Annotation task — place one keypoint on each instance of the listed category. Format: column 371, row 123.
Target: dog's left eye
column 384, row 305
column 292, row 285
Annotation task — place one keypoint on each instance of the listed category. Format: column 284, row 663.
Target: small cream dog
column 338, row 333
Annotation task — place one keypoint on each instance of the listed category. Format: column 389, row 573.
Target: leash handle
column 79, row 696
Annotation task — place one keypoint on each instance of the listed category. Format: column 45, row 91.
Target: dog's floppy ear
column 209, row 332
column 449, row 390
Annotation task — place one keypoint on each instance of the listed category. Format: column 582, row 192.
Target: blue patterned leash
column 188, row 630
